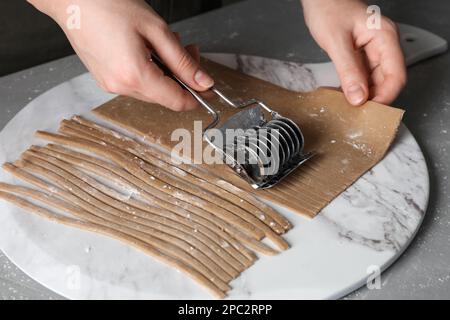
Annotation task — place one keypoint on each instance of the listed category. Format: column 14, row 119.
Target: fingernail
column 355, row 94
column 203, row 79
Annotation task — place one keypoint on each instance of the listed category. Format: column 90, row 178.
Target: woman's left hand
column 369, row 61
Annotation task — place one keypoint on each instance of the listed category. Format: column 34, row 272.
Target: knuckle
column 185, row 63
column 177, row 106
column 112, row 86
column 178, row 103
column 150, row 96
column 115, row 85
column 350, row 74
column 122, row 79
column 128, row 78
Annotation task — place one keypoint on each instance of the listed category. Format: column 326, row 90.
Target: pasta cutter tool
column 262, row 150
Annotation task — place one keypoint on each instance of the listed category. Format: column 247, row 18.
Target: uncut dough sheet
column 347, row 140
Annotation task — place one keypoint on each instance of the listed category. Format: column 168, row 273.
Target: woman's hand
column 369, row 62
column 114, row 41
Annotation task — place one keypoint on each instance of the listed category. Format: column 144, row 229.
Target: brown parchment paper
column 347, row 140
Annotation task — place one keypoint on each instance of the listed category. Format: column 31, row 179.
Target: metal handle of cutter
column 241, row 105
column 203, row 102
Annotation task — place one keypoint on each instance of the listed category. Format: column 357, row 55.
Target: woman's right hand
column 114, row 40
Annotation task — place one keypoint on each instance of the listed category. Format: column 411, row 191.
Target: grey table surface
column 275, row 29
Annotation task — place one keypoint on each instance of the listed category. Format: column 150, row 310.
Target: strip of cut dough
column 178, row 178
column 172, row 227
column 91, row 131
column 133, row 166
column 242, row 236
column 249, row 202
column 185, row 191
column 181, row 208
column 123, row 220
column 216, row 238
column 123, row 237
column 248, row 257
column 190, row 187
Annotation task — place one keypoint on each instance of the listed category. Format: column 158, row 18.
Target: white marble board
column 368, row 225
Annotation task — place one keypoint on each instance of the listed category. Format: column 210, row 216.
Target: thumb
column 194, row 51
column 177, row 58
column 351, row 70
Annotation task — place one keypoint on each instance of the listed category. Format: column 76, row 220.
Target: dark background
column 28, row 37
